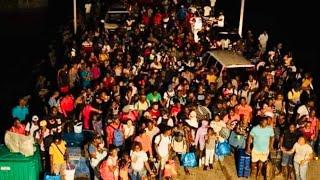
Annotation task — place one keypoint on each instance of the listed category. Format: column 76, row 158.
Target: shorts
column 59, row 169
column 287, row 159
column 139, row 174
column 259, row 156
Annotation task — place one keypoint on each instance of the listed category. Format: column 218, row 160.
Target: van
column 116, row 16
column 227, row 62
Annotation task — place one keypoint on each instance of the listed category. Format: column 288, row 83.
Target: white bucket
column 70, row 172
column 77, row 128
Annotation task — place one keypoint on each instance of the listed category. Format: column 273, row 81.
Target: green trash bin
column 15, row 166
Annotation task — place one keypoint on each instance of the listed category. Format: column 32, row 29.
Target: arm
column 271, row 143
column 197, row 138
column 146, row 164
column 249, row 141
column 281, row 143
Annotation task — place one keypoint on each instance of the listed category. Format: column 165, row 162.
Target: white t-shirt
column 302, row 152
column 87, row 6
column 303, row 110
column 162, row 144
column 138, row 160
column 221, row 21
column 263, row 39
column 30, row 127
column 128, row 131
column 207, row 10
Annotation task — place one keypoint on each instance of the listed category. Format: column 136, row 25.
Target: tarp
column 19, row 143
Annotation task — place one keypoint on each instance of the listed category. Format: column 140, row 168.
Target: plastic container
column 15, row 166
column 70, row 172
column 77, row 128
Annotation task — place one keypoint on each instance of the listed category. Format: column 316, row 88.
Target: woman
column 303, row 155
column 109, row 168
column 139, row 163
column 129, row 130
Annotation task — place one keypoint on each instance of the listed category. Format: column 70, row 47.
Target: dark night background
column 25, row 35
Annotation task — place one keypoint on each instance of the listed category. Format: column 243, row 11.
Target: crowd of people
column 148, row 98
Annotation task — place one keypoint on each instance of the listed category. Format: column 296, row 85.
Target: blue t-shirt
column 261, row 138
column 20, row 112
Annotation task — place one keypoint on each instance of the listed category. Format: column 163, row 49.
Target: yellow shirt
column 211, row 78
column 57, row 156
column 294, row 96
column 306, row 83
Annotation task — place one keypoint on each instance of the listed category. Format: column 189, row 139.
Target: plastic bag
column 19, row 143
column 223, row 148
column 189, row 159
column 48, row 176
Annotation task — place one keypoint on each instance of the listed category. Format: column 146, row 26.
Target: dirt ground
column 227, row 171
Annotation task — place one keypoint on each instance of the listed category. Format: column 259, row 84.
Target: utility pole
column 75, row 16
column 241, row 18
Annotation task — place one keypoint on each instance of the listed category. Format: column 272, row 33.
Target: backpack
column 118, row 137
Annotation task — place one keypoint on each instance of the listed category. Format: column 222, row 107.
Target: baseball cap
column 43, row 123
column 35, row 118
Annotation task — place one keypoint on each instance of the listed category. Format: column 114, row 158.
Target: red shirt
column 155, row 114
column 18, row 130
column 110, row 131
column 132, row 115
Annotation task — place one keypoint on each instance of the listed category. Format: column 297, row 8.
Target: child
column 124, row 169
column 170, row 169
column 210, row 147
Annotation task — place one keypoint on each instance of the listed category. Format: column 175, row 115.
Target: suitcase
column 243, row 163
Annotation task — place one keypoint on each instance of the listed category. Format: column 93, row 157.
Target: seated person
column 18, row 127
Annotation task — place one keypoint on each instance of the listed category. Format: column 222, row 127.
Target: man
column 262, row 137
column 32, row 126
column 97, row 153
column 58, row 158
column 162, row 144
column 304, row 109
column 43, row 138
column 263, row 40
column 287, row 140
column 21, row 111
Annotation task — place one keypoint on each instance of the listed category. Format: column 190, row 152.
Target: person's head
column 16, row 122
column 54, row 110
column 280, row 97
column 231, row 112
column 243, row 101
column 43, row 124
column 129, row 123
column 155, row 106
column 137, row 147
column 210, row 131
column 312, row 113
column 35, row 118
column 216, row 118
column 292, row 128
column 142, row 98
column 113, row 152
column 155, row 92
column 150, row 125
column 55, row 94
column 22, row 102
column 115, row 119
column 57, row 138
column 308, row 125
column 167, row 131
column 263, row 122
column 302, row 140
column 311, row 103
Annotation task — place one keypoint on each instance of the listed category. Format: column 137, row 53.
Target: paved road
column 227, row 171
